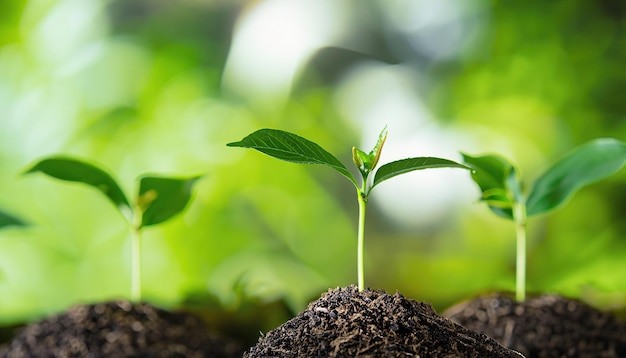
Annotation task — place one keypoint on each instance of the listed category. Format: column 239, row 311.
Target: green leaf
column 7, row 219
column 374, row 155
column 402, row 166
column 360, row 159
column 292, row 148
column 161, row 198
column 367, row 162
column 587, row 164
column 78, row 171
column 498, row 182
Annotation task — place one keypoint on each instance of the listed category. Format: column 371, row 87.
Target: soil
column 544, row 326
column 348, row 323
column 119, row 329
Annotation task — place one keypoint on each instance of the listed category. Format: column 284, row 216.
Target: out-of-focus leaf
column 162, row 198
column 78, row 171
column 292, row 148
column 7, row 219
column 498, row 182
column 402, row 166
column 587, row 164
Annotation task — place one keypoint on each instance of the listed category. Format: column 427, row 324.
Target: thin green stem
column 135, row 280
column 519, row 214
column 362, row 204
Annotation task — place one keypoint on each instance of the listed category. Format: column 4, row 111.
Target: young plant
column 157, row 200
column 293, row 148
column 501, row 187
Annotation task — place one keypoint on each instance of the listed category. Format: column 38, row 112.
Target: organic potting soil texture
column 544, row 326
column 120, row 329
column 348, row 323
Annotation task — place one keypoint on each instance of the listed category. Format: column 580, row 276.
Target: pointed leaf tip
column 374, row 155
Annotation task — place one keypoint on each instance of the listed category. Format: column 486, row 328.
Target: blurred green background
column 154, row 86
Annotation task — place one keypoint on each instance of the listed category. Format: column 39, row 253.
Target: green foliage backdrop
column 144, row 87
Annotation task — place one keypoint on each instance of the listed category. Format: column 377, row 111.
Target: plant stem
column 135, row 279
column 519, row 214
column 362, row 204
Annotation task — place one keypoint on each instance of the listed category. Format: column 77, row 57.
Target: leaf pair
column 293, row 148
column 367, row 162
column 501, row 186
column 158, row 198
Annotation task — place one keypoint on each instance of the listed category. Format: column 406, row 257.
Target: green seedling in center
column 157, row 200
column 501, row 187
column 293, row 148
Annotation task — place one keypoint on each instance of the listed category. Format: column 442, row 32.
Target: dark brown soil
column 119, row 329
column 346, row 323
column 544, row 326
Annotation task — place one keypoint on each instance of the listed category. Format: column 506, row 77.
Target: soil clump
column 544, row 326
column 372, row 323
column 119, row 329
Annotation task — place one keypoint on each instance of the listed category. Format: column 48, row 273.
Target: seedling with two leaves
column 158, row 199
column 293, row 148
column 501, row 186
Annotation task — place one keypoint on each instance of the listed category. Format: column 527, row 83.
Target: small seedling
column 293, row 148
column 501, row 187
column 158, row 199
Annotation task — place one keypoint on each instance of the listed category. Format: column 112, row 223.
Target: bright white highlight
column 271, row 43
column 377, row 95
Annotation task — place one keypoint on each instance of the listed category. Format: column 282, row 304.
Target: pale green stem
column 135, row 282
column 135, row 279
column 519, row 215
column 362, row 204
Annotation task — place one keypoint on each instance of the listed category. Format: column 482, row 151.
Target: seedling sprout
column 501, row 187
column 158, row 199
column 293, row 148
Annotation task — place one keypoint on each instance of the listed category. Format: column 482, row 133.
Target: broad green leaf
column 587, row 164
column 498, row 182
column 161, row 198
column 78, row 171
column 402, row 166
column 292, row 148
column 7, row 219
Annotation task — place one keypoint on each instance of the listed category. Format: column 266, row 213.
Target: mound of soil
column 544, row 326
column 119, row 329
column 348, row 323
